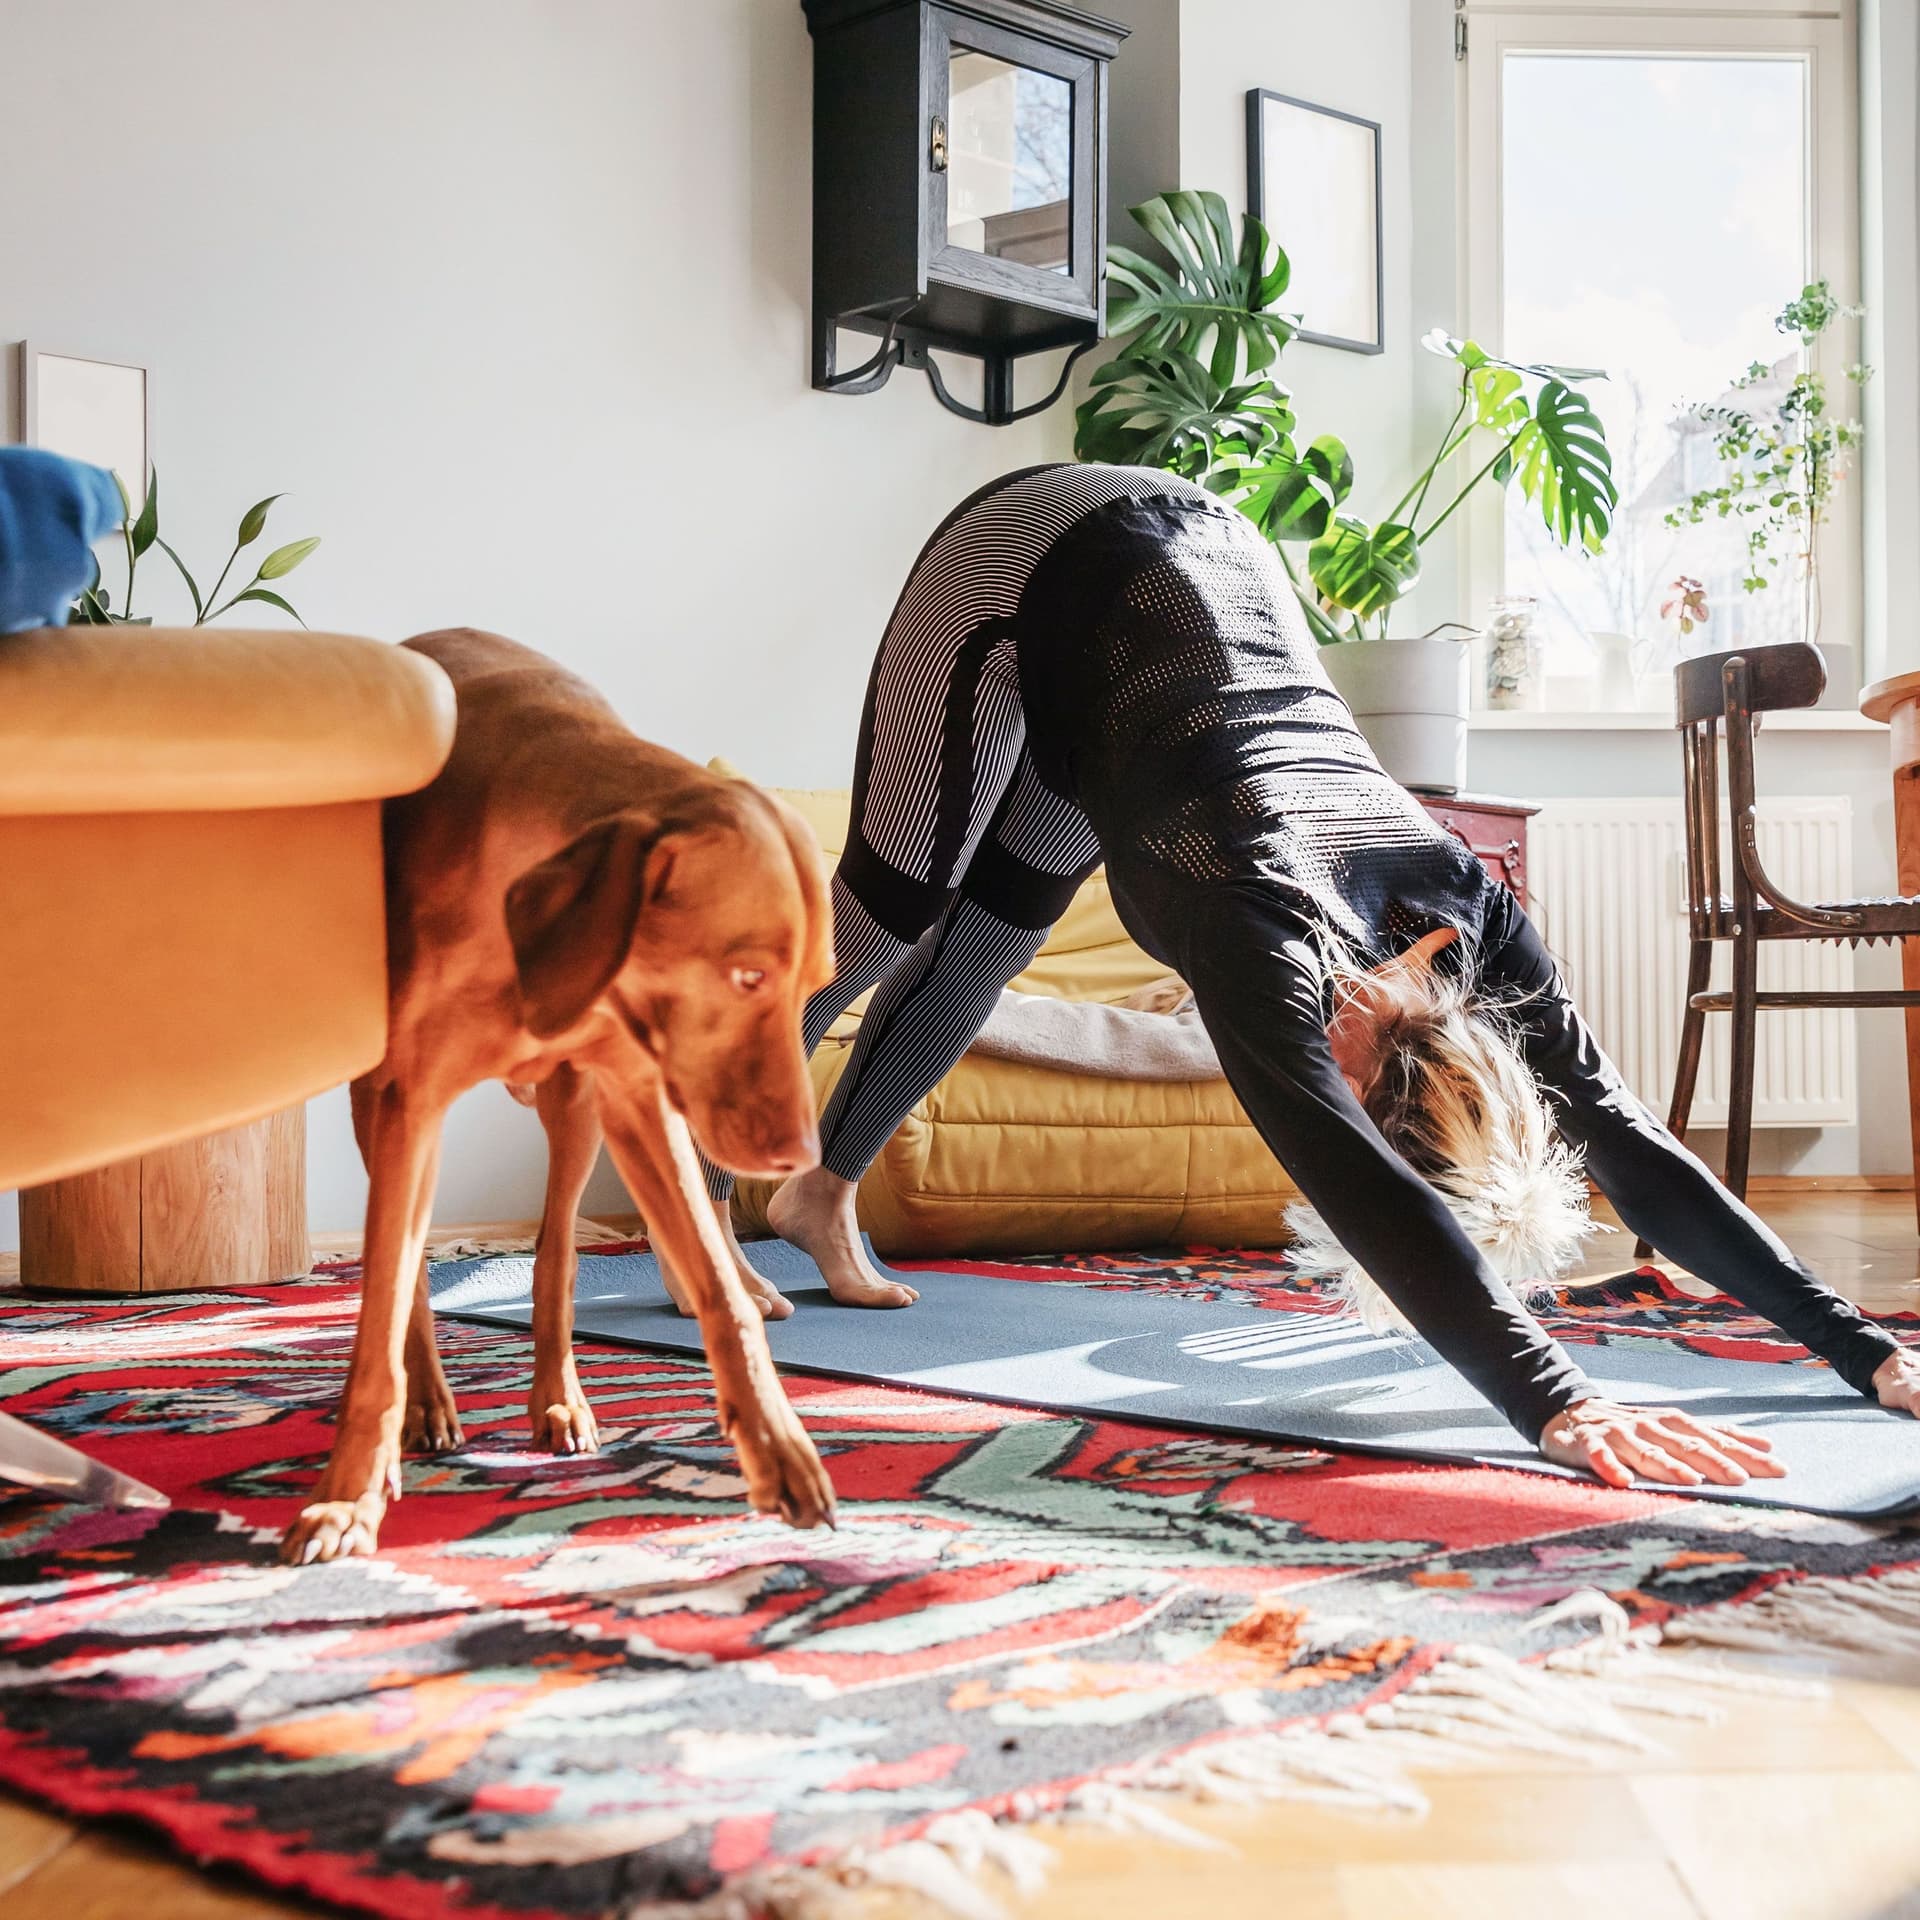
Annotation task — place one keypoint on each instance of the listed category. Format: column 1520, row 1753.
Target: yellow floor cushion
column 1002, row 1157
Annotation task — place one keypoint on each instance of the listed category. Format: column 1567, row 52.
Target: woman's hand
column 1614, row 1443
column 1897, row 1381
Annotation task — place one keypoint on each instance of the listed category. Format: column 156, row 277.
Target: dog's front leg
column 432, row 1422
column 364, row 1468
column 557, row 1405
column 652, row 1148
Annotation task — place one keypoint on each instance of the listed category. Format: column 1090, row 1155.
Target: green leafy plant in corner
column 140, row 534
column 1191, row 391
column 1782, row 465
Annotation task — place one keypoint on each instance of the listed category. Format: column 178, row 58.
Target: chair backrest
column 1777, row 677
column 1723, row 691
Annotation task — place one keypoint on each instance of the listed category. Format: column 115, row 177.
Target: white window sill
column 1797, row 720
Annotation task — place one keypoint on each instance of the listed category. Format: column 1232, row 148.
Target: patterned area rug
column 586, row 1686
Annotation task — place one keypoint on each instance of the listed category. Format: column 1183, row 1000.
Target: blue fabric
column 52, row 510
column 1226, row 1368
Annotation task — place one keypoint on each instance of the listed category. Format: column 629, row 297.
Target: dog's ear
column 571, row 918
column 810, row 869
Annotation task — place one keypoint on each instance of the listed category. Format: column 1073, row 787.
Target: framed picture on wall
column 92, row 410
column 1313, row 180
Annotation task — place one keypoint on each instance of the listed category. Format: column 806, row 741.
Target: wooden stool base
column 226, row 1210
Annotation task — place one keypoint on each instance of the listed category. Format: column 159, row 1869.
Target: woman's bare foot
column 815, row 1211
column 773, row 1304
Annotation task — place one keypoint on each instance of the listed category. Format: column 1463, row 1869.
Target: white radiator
column 1608, row 886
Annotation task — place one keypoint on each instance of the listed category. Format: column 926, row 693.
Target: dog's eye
column 749, row 979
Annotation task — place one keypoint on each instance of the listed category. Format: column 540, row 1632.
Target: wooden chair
column 1715, row 700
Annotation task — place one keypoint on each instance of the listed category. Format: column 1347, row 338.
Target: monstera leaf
column 1288, row 492
column 1498, row 397
column 1471, row 354
column 1364, row 568
column 1216, row 288
column 1561, row 461
column 1158, row 410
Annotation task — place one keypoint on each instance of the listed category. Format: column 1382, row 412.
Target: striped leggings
column 937, row 986
column 959, row 858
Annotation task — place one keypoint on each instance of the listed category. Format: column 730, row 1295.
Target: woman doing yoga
column 1105, row 663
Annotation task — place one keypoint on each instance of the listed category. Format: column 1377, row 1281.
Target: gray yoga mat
column 1223, row 1368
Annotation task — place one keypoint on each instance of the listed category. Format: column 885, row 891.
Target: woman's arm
column 1256, row 991
column 1661, row 1191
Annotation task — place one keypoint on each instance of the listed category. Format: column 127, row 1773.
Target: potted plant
column 1781, row 460
column 1190, row 391
column 140, row 534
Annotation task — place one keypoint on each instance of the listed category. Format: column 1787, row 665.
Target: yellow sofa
column 1002, row 1157
column 192, row 924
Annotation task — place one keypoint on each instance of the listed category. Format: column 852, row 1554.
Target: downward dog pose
column 1096, row 663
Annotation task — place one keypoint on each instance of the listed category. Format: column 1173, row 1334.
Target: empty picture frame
column 92, row 410
column 1313, row 180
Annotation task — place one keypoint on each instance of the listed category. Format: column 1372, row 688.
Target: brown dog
column 572, row 908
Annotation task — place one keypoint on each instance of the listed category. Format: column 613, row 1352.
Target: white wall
column 1314, row 51
column 511, row 297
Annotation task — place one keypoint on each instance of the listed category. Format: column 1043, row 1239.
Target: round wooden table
column 1896, row 703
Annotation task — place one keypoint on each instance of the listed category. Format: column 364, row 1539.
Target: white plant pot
column 1410, row 698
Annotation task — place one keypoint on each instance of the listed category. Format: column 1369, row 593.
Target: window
column 1644, row 193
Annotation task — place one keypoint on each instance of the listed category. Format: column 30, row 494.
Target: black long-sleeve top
column 1173, row 692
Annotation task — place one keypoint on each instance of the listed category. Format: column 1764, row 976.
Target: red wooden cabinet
column 1496, row 830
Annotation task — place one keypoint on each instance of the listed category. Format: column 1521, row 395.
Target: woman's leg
column 928, row 1011
column 942, row 737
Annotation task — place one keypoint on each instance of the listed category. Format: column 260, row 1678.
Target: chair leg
column 1910, row 978
column 1746, row 959
column 1686, row 1071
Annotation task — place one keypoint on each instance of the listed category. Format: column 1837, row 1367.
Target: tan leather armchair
column 191, row 923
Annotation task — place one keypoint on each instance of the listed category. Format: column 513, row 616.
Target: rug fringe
column 1476, row 1702
column 1877, row 1614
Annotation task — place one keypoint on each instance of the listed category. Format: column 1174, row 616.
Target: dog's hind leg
column 401, row 1138
column 557, row 1405
column 432, row 1423
column 652, row 1148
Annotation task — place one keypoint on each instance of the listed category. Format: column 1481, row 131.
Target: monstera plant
column 1192, row 391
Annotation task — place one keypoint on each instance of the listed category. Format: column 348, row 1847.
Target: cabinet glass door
column 1010, row 164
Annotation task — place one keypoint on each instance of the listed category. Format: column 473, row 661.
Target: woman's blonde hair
column 1453, row 1095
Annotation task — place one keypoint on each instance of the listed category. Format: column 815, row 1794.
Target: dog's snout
column 785, row 1157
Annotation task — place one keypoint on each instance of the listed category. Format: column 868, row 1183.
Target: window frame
column 1825, row 35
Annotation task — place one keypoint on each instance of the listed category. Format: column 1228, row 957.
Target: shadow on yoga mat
column 1280, row 1375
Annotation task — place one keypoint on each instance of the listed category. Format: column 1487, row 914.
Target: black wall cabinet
column 959, row 187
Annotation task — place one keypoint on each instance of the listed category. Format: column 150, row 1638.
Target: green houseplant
column 1781, row 462
column 140, row 534
column 1192, row 391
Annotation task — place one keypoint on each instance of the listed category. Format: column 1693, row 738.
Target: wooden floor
column 1786, row 1810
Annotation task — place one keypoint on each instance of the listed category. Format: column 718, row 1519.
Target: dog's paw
column 432, row 1425
column 564, row 1425
column 332, row 1530
column 782, row 1469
